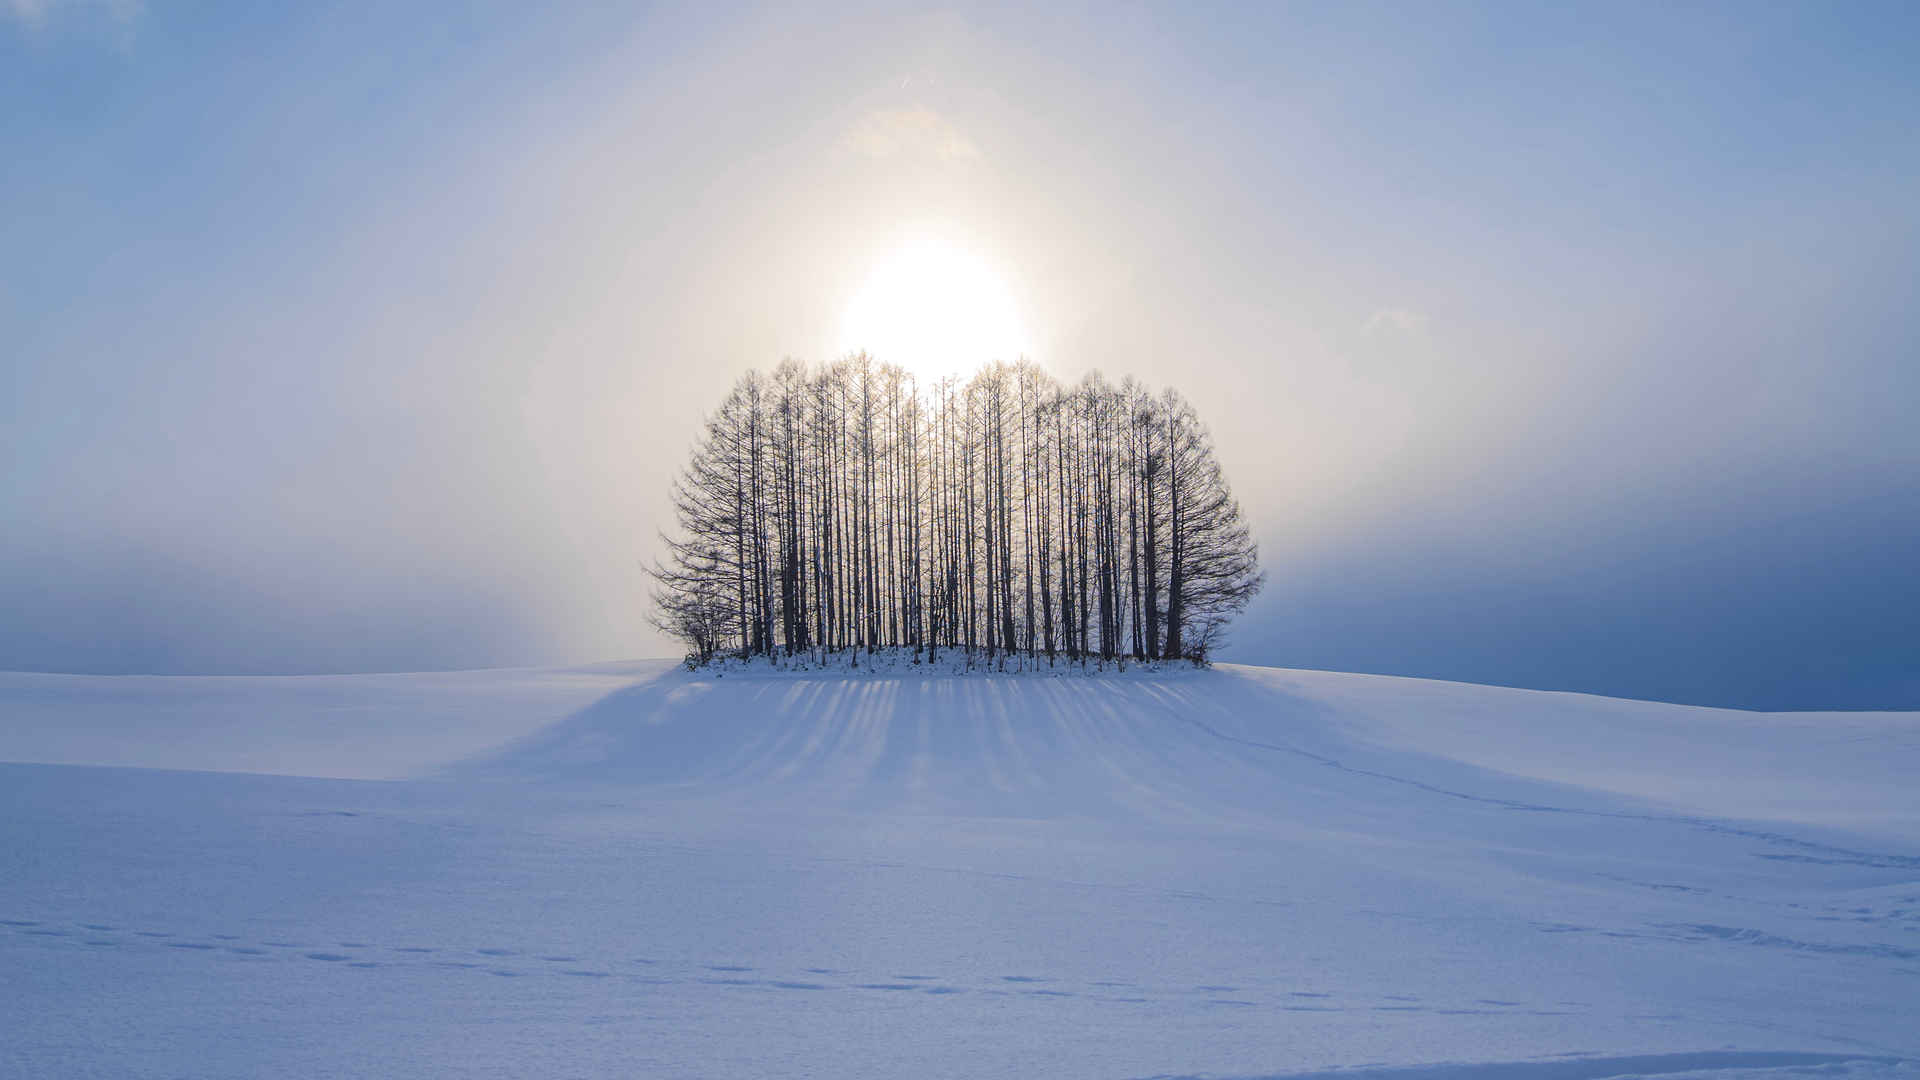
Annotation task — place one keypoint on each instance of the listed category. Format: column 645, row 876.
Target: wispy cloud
column 1394, row 322
column 31, row 12
column 121, row 14
column 914, row 132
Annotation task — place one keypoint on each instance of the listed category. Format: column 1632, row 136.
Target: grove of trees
column 1005, row 517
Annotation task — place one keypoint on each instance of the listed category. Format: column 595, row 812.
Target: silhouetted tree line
column 840, row 507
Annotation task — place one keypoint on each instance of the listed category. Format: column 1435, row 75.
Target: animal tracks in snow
column 446, row 960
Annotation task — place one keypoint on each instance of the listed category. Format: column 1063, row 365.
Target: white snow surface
column 638, row 871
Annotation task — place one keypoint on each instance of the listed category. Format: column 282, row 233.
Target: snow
column 637, row 870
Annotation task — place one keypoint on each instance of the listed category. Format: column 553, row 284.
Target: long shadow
column 1168, row 746
column 1140, row 744
column 629, row 735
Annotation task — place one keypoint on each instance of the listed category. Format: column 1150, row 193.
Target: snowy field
column 634, row 871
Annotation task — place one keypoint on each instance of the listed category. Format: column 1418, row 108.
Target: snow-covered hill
column 633, row 870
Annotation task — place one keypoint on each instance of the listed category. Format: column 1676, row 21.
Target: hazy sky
column 1563, row 348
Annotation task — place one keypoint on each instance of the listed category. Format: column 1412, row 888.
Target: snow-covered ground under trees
column 636, row 871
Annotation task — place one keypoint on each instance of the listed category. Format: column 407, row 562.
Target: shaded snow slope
column 643, row 871
column 1841, row 768
column 1237, row 738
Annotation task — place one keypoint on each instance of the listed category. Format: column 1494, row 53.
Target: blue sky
column 1570, row 348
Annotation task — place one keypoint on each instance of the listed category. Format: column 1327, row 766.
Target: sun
column 935, row 308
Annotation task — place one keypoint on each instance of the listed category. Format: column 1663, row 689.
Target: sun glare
column 935, row 309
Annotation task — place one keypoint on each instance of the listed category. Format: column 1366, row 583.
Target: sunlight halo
column 934, row 307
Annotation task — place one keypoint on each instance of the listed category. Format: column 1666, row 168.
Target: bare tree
column 842, row 508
